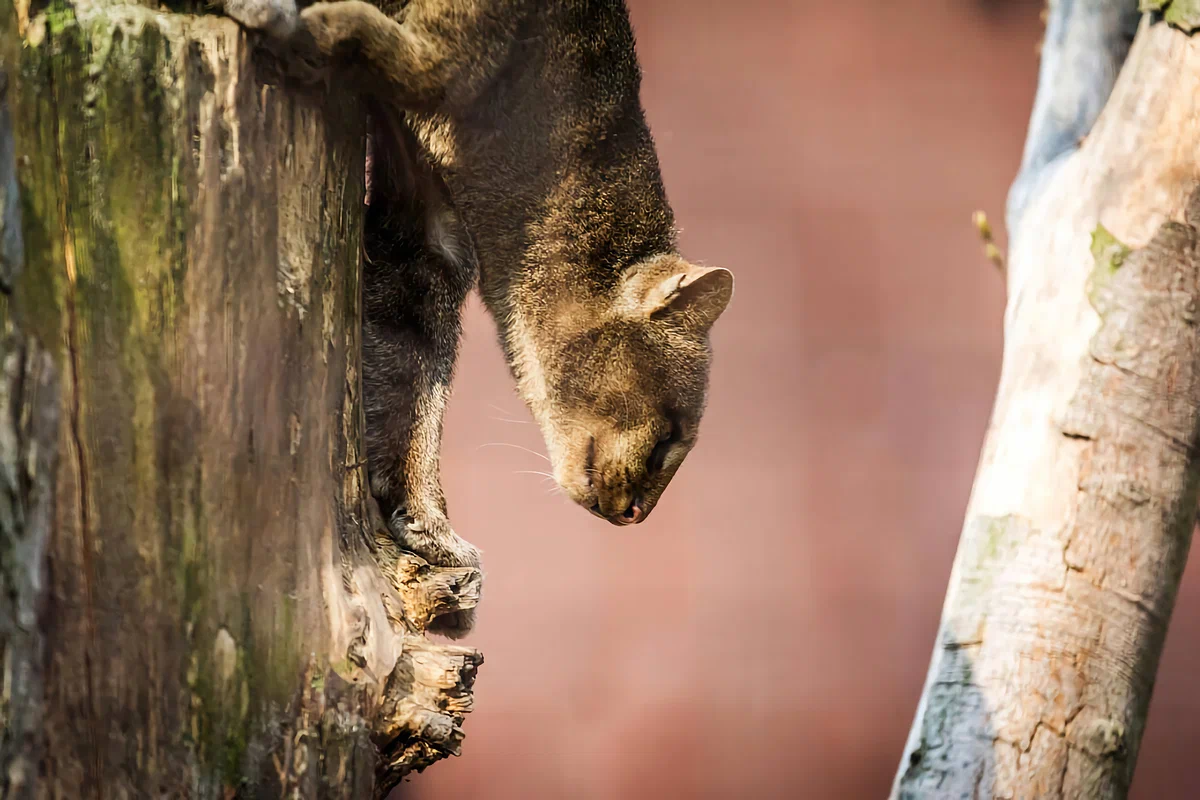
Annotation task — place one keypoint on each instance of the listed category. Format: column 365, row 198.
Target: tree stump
column 199, row 598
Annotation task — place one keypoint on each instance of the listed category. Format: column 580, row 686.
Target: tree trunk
column 197, row 598
column 1083, row 506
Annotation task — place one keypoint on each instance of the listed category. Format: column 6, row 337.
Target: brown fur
column 528, row 116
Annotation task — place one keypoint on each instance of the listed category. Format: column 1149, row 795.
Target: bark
column 1082, row 510
column 197, row 598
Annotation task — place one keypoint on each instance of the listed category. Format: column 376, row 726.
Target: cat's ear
column 695, row 296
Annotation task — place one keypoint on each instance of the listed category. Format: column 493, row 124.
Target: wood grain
column 217, row 620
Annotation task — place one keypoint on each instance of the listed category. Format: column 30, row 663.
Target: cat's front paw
column 431, row 537
column 279, row 18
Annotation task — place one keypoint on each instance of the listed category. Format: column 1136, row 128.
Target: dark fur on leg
column 417, row 272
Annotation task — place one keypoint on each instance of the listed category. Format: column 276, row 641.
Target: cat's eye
column 658, row 456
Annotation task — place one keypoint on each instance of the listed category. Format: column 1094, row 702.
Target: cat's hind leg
column 414, row 287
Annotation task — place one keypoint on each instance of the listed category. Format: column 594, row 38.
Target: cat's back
column 597, row 38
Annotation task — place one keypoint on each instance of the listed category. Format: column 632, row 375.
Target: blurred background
column 767, row 632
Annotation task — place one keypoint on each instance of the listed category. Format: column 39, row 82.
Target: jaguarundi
column 509, row 150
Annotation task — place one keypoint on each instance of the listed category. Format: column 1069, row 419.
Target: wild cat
column 511, row 151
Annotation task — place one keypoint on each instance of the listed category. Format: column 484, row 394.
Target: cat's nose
column 632, row 515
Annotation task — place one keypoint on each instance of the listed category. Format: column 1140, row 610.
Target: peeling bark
column 220, row 611
column 1084, row 502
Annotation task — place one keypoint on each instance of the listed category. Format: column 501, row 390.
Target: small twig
column 1044, row 18
column 990, row 250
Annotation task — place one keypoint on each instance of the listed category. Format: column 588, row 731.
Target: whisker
column 517, row 446
column 507, row 416
column 533, row 472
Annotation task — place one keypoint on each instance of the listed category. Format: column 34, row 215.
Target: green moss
column 59, row 17
column 1107, row 250
column 285, row 648
column 1109, row 254
column 41, row 285
column 991, row 539
column 995, row 529
column 220, row 706
column 1183, row 14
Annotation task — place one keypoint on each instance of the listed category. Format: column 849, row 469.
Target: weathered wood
column 223, row 616
column 28, row 437
column 1083, row 506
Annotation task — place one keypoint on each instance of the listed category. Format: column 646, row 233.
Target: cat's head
column 626, row 389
